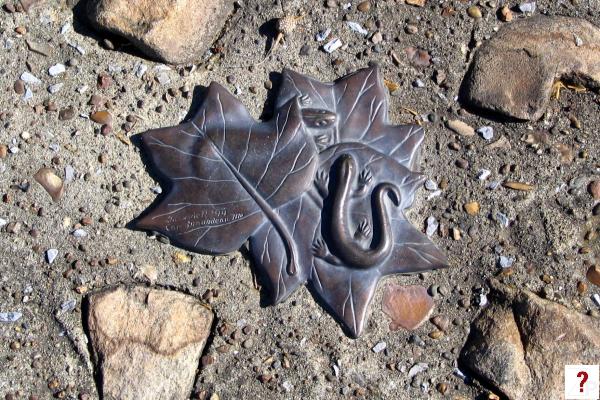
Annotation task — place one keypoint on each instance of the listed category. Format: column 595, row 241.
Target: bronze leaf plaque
column 319, row 190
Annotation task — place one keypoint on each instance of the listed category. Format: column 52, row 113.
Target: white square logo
column 582, row 382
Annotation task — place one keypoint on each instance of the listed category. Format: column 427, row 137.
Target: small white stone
column 28, row 94
column 65, row 28
column 493, row 185
column 527, row 7
column 140, row 69
column 28, row 77
column 78, row 47
column 163, row 78
column 68, row 305
column 287, row 386
column 69, row 173
column 417, row 369
column 506, row 262
column 55, row 88
column 13, row 316
column 322, row 35
column 435, row 194
column 157, row 190
column 431, row 185
column 486, row 132
column 79, row 233
column 356, row 27
column 25, row 135
column 459, row 373
column 82, row 89
column 379, row 347
column 483, row 174
column 503, row 219
column 3, row 222
column 56, row 69
column 596, row 298
column 51, row 255
column 418, row 83
column 483, row 300
column 432, row 226
column 332, row 45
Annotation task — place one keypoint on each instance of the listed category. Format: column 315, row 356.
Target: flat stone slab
column 520, row 344
column 173, row 31
column 512, row 74
column 147, row 342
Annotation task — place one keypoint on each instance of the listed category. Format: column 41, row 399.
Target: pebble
column 66, row 114
column 596, row 298
column 474, row 12
column 40, row 48
column 436, row 334
column 472, row 208
column 506, row 14
column 527, row 7
column 594, row 189
column 417, row 369
column 51, row 182
column 486, row 132
column 79, row 233
column 518, row 186
column 506, row 262
column 441, row 321
column 101, row 117
column 56, row 69
column 364, row 6
column 53, row 89
column 51, row 255
column 322, row 35
column 432, row 226
column 377, row 38
column 593, row 274
column 483, row 174
column 7, row 317
column 418, row 57
column 483, row 300
column 68, row 305
column 431, row 185
column 502, row 219
column 332, row 45
column 140, row 69
column 460, row 127
column 163, row 78
column 379, row 347
column 418, row 3
column 19, row 86
column 356, row 27
column 29, row 78
column 462, row 163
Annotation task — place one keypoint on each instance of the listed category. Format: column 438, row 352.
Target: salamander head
column 347, row 167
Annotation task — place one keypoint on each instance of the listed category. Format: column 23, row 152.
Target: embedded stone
column 147, row 342
column 512, row 74
column 173, row 31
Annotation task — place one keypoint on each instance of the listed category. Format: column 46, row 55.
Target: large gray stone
column 520, row 344
column 173, row 31
column 147, row 342
column 513, row 73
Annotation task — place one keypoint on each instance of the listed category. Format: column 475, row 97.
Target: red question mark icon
column 584, row 377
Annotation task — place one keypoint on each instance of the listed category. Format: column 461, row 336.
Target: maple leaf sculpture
column 319, row 191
